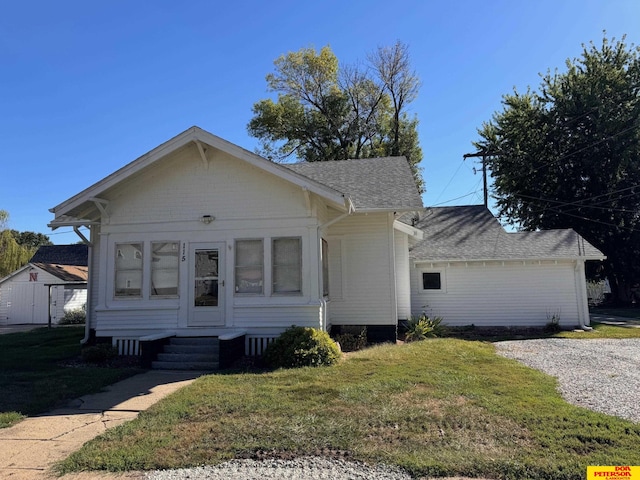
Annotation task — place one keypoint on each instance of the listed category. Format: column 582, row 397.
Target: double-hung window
column 286, row 258
column 164, row 269
column 249, row 265
column 128, row 272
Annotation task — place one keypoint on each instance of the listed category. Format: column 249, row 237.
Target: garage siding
column 499, row 294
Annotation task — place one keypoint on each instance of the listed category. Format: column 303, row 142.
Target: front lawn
column 437, row 407
column 34, row 375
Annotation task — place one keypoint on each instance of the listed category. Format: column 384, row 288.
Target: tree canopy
column 17, row 248
column 568, row 155
column 31, row 240
column 327, row 112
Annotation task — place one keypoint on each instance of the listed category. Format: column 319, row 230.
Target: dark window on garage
column 431, row 281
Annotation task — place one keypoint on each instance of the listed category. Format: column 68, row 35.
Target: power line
column 451, row 180
column 593, row 220
column 580, row 203
column 457, row 198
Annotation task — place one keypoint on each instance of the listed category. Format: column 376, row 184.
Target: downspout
column 87, row 308
column 350, row 209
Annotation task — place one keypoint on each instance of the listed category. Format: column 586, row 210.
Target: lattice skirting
column 255, row 345
column 127, row 346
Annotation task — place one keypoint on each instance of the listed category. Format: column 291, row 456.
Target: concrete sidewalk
column 615, row 320
column 30, row 448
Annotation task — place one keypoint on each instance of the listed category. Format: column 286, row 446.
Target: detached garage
column 469, row 270
column 52, row 283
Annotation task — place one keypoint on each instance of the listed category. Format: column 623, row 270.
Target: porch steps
column 189, row 353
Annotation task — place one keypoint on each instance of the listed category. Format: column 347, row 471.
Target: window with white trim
column 249, row 266
column 431, row 281
column 128, row 270
column 286, row 265
column 164, row 269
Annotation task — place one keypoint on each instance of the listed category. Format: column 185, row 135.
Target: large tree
column 327, row 112
column 32, row 240
column 568, row 155
column 12, row 254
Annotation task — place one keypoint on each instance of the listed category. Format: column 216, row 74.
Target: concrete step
column 199, row 341
column 187, row 357
column 206, row 349
column 206, row 366
column 189, row 353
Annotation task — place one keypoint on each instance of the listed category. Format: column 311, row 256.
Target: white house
column 200, row 237
column 470, row 271
column 52, row 283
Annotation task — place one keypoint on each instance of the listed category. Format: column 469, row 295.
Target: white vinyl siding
column 366, row 270
column 499, row 294
column 403, row 285
column 335, row 255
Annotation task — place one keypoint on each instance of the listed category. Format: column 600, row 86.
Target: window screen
column 287, row 265
column 128, row 274
column 164, row 268
column 249, row 266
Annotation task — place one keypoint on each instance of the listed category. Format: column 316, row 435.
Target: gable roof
column 77, row 254
column 73, row 211
column 471, row 233
column 371, row 183
column 66, row 273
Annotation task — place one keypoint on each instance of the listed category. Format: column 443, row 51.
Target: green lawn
column 437, row 407
column 34, row 377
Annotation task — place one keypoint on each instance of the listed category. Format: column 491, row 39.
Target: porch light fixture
column 207, row 219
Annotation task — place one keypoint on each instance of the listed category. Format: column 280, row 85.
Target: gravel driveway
column 599, row 374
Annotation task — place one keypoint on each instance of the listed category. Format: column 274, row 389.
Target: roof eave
column 509, row 259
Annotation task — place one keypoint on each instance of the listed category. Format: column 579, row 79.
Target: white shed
column 44, row 289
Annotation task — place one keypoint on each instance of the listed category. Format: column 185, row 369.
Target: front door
column 206, row 295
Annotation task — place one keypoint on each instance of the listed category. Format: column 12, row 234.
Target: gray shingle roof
column 371, row 183
column 473, row 233
column 77, row 254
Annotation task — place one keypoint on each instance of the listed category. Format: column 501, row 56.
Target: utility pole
column 482, row 154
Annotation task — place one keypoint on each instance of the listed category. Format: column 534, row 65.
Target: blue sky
column 88, row 86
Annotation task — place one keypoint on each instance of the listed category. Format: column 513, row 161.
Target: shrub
column 553, row 323
column 352, row 341
column 73, row 317
column 423, row 327
column 301, row 347
column 101, row 353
